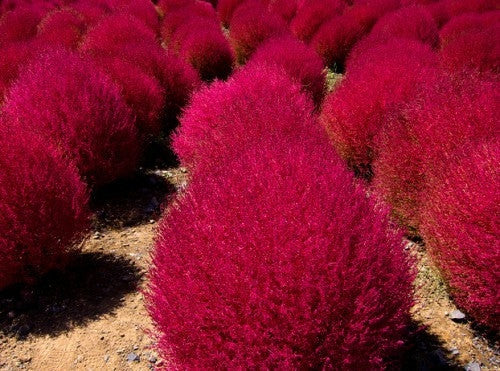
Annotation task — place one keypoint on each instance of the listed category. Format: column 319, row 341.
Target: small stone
column 457, row 316
column 136, row 347
column 106, row 358
column 152, row 359
column 473, row 366
column 132, row 357
column 11, row 314
column 455, row 352
column 102, row 337
column 120, row 351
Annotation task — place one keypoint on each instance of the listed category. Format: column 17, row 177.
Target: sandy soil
column 93, row 317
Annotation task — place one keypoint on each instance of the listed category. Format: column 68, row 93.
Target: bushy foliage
column 64, row 98
column 143, row 10
column 287, row 9
column 378, row 81
column 415, row 142
column 412, row 22
column 19, row 24
column 44, row 206
column 278, row 261
column 311, row 14
column 460, row 25
column 256, row 101
column 166, row 6
column 298, row 60
column 336, row 37
column 476, row 51
column 251, row 25
column 142, row 92
column 226, row 8
column 460, row 223
column 186, row 14
column 64, row 27
column 207, row 50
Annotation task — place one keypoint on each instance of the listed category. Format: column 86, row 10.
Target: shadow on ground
column 425, row 352
column 130, row 202
column 95, row 284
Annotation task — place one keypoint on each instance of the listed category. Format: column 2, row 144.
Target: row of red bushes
column 89, row 83
column 418, row 111
column 273, row 257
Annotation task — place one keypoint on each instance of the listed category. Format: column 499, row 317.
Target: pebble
column 106, row 358
column 152, row 359
column 457, row 315
column 455, row 352
column 473, row 366
column 132, row 357
column 135, row 347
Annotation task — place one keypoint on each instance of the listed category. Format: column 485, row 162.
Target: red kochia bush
column 277, row 261
column 382, row 78
column 63, row 27
column 461, row 227
column 311, row 14
column 256, row 101
column 44, row 206
column 19, row 24
column 207, row 50
column 336, row 37
column 64, row 98
column 465, row 23
column 477, row 50
column 412, row 22
column 414, row 143
column 226, row 8
column 143, row 10
column 285, row 8
column 298, row 60
column 251, row 25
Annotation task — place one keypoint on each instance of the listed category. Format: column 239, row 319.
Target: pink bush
column 460, row 25
column 167, row 6
column 143, row 10
column 44, row 206
column 382, row 78
column 412, row 22
column 257, row 100
column 64, row 27
column 186, row 14
column 251, row 25
column 91, row 12
column 117, row 30
column 298, row 60
column 226, row 8
column 277, row 261
column 415, row 142
column 311, row 14
column 476, row 51
column 460, row 223
column 336, row 37
column 287, row 9
column 207, row 50
column 19, row 24
column 66, row 99
column 142, row 92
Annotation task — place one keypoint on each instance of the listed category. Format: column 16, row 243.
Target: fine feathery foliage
column 65, row 98
column 44, row 206
column 277, row 261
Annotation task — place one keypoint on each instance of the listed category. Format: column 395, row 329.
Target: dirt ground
column 93, row 316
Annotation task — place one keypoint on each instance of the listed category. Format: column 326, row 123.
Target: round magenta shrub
column 167, row 6
column 226, row 8
column 298, row 60
column 63, row 27
column 251, row 25
column 460, row 25
column 44, row 206
column 64, row 98
column 19, row 24
column 142, row 92
column 380, row 80
column 287, row 9
column 277, row 261
column 476, row 51
column 335, row 38
column 412, row 22
column 256, row 100
column 413, row 143
column 207, row 50
column 460, row 224
column 143, row 10
column 311, row 14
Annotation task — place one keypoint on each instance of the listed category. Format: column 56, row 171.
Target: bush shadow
column 425, row 352
column 130, row 202
column 93, row 285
